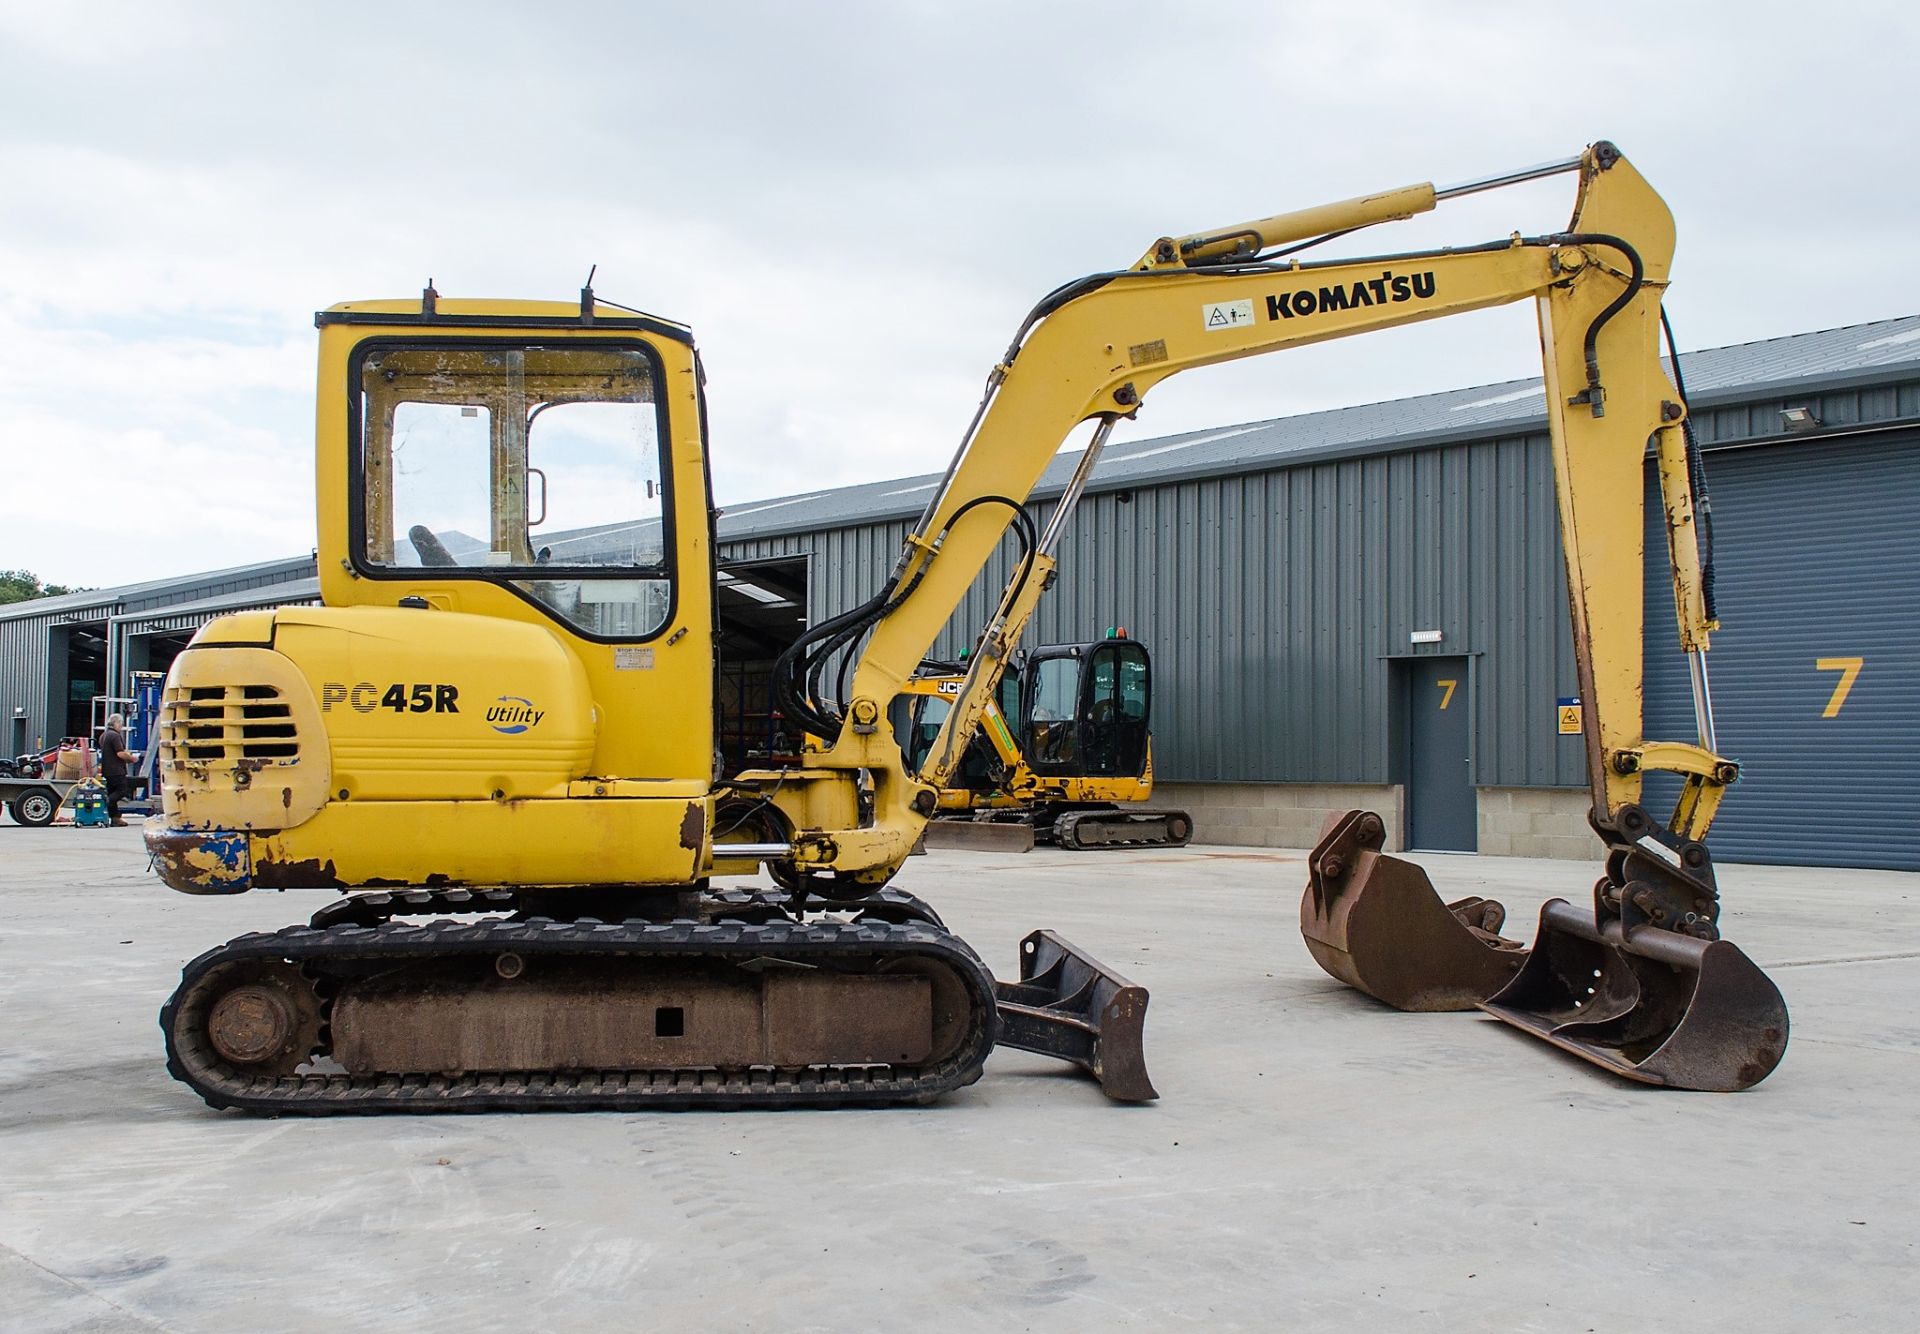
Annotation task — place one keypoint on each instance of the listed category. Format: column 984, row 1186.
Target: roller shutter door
column 1819, row 570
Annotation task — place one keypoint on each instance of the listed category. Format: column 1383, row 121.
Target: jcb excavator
column 496, row 733
column 1061, row 744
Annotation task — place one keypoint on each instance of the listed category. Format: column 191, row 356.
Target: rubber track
column 192, row 1060
column 374, row 907
column 1065, row 835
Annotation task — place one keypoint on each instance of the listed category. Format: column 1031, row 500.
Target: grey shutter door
column 1819, row 560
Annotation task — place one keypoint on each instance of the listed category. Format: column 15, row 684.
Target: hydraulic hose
column 1635, row 280
column 799, row 685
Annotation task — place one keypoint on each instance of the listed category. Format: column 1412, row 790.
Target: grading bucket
column 1647, row 1003
column 1374, row 922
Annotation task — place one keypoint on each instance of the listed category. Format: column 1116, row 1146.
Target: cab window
column 1052, row 717
column 539, row 467
column 1115, row 724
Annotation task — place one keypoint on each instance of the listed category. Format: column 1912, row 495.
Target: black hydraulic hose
column 799, row 671
column 1023, row 529
column 1696, row 475
column 789, row 670
column 1635, row 280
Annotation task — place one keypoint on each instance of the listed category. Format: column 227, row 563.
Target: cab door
column 1114, row 708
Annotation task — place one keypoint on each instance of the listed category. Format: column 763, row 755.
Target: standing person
column 114, row 761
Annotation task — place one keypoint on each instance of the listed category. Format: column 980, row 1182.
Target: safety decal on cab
column 365, row 697
column 513, row 715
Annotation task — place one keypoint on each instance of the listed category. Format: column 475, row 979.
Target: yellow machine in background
column 497, row 733
column 1065, row 739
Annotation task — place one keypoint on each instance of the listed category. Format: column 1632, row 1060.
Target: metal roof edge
column 245, row 599
column 1869, row 377
column 1515, row 427
column 90, row 598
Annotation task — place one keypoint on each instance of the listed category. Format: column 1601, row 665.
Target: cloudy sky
column 852, row 203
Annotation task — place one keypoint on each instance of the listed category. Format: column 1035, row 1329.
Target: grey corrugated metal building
column 56, row 654
column 1280, row 570
column 1290, row 577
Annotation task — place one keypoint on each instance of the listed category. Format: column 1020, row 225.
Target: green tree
column 25, row 585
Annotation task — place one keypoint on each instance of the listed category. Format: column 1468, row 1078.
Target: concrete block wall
column 1536, row 822
column 1275, row 815
column 1513, row 821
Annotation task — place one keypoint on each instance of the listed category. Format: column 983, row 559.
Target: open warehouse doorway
column 76, row 672
column 762, row 611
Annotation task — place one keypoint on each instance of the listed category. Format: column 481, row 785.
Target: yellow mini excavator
column 1064, row 741
column 496, row 733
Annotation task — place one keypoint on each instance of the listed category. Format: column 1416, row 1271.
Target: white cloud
column 853, row 206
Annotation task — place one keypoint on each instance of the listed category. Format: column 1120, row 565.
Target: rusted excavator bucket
column 1069, row 1005
column 1650, row 1004
column 1374, row 922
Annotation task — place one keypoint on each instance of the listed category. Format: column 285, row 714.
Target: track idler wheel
column 1375, row 923
column 262, row 1018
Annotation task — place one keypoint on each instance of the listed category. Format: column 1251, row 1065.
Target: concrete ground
column 1316, row 1161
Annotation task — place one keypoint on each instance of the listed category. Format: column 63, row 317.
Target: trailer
column 35, row 801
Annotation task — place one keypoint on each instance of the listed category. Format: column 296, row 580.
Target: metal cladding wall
column 1819, row 562
column 27, row 630
column 26, row 643
column 1273, row 603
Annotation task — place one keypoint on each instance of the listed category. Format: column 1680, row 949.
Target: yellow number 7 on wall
column 1849, row 669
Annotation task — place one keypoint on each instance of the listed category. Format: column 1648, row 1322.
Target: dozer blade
column 1067, row 1004
column 1652, row 1005
column 979, row 835
column 1374, row 922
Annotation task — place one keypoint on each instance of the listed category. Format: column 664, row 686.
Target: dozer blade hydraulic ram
column 1374, row 922
column 1068, row 1005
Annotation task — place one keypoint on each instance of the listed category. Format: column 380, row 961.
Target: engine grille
column 213, row 725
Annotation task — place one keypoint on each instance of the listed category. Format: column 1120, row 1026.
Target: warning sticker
column 1217, row 316
column 1145, row 354
column 1568, row 708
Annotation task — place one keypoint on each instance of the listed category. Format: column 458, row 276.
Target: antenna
column 429, row 299
column 586, row 294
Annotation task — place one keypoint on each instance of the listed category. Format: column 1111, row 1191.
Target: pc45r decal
column 365, row 697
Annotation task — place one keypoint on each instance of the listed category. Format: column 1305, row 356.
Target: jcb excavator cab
column 917, row 718
column 1086, row 708
column 1064, row 739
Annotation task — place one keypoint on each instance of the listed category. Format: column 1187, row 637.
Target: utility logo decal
column 365, row 697
column 513, row 715
column 1388, row 287
column 1217, row 316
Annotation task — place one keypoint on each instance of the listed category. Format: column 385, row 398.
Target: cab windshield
column 539, row 467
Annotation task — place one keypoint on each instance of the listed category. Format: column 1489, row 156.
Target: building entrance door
column 1441, row 813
